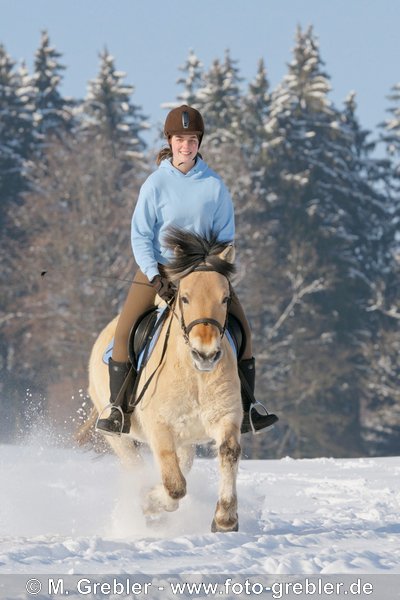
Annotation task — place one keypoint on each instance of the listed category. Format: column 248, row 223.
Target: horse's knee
column 229, row 451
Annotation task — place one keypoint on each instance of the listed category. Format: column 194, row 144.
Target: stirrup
column 266, row 413
column 122, row 423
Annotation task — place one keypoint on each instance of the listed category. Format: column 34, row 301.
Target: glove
column 163, row 287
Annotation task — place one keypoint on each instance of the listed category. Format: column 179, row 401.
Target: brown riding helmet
column 184, row 119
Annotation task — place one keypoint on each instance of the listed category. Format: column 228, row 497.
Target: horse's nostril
column 217, row 356
column 195, row 354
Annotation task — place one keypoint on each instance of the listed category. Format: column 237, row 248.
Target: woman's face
column 184, row 150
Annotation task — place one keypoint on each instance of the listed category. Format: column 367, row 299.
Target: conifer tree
column 382, row 413
column 16, row 133
column 191, row 79
column 324, row 225
column 17, row 141
column 391, row 129
column 255, row 112
column 109, row 114
column 219, row 99
column 53, row 111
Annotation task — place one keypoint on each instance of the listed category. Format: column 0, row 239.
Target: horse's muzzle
column 205, row 362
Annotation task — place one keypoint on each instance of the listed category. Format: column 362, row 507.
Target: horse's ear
column 228, row 254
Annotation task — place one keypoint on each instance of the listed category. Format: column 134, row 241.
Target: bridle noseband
column 205, row 321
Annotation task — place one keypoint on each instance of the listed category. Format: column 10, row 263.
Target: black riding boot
column 119, row 420
column 247, row 374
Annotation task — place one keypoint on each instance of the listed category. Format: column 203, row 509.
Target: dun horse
column 194, row 396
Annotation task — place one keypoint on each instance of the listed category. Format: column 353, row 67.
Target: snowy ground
column 69, row 511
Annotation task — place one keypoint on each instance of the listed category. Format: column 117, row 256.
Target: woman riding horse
column 182, row 192
column 191, row 381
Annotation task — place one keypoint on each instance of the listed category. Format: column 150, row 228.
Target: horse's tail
column 84, row 435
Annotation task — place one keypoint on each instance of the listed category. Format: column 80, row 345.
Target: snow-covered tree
column 16, row 133
column 191, row 79
column 54, row 112
column 391, row 128
column 16, row 147
column 219, row 99
column 322, row 246
column 255, row 112
column 109, row 114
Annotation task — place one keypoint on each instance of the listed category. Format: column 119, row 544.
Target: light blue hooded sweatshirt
column 197, row 201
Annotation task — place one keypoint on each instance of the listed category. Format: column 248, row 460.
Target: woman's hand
column 163, row 287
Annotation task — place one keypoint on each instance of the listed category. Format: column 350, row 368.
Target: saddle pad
column 108, row 351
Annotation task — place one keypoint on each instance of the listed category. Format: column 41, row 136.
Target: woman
column 186, row 193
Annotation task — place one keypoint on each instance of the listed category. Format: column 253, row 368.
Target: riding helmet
column 184, row 119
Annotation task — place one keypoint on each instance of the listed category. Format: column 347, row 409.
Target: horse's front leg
column 226, row 517
column 164, row 450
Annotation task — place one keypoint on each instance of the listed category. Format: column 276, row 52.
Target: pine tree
column 17, row 141
column 16, row 133
column 109, row 114
column 324, row 225
column 53, row 111
column 382, row 412
column 219, row 100
column 191, row 80
column 255, row 112
column 391, row 129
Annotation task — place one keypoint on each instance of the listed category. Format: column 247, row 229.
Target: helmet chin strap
column 182, row 163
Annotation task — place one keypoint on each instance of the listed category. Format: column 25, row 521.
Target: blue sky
column 150, row 39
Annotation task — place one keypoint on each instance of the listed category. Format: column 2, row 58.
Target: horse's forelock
column 192, row 251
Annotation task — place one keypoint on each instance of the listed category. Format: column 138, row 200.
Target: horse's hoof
column 218, row 529
column 175, row 490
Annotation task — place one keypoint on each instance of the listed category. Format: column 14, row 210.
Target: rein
column 150, row 379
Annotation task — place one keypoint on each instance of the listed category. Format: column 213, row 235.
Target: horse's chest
column 185, row 415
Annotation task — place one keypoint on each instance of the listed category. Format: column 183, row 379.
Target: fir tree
column 16, row 147
column 325, row 227
column 109, row 114
column 191, row 80
column 255, row 112
column 16, row 133
column 219, row 99
column 391, row 128
column 54, row 112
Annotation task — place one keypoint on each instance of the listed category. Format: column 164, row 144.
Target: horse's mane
column 195, row 252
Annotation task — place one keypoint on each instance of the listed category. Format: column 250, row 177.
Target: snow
column 70, row 511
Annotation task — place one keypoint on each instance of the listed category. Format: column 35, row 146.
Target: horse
column 191, row 382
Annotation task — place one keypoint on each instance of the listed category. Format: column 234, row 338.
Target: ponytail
column 164, row 153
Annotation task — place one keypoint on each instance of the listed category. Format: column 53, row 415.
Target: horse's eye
column 225, row 300
column 184, row 300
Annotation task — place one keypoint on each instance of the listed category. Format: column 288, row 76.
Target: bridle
column 186, row 329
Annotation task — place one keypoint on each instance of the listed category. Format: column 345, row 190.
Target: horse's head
column 201, row 270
